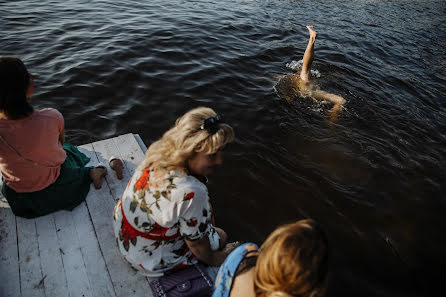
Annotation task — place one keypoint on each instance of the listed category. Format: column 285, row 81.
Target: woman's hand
column 223, row 237
column 230, row 247
column 202, row 251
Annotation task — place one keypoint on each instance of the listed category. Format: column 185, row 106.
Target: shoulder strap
column 225, row 276
column 23, row 158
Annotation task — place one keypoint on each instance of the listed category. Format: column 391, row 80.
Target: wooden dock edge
column 74, row 253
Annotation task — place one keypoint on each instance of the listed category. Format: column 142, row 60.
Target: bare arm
column 223, row 237
column 336, row 99
column 322, row 95
column 334, row 112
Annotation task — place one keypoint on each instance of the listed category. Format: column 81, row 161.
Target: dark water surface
column 375, row 179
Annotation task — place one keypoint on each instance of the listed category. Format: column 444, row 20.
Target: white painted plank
column 126, row 281
column 9, row 258
column 31, row 278
column 99, row 278
column 70, row 250
column 141, row 143
column 50, row 256
column 130, row 151
column 104, row 150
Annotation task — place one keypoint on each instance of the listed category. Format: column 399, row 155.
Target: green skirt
column 67, row 192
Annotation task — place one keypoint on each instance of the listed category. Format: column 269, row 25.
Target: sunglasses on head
column 211, row 124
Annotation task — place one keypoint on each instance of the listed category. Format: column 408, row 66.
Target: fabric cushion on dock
column 68, row 191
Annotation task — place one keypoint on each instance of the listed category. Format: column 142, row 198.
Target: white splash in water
column 315, row 73
column 296, row 65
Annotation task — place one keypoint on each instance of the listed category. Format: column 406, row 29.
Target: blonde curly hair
column 293, row 261
column 186, row 138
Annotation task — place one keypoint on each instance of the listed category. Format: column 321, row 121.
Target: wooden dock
column 73, row 254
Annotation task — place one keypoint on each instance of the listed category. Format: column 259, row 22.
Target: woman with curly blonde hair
column 292, row 262
column 164, row 220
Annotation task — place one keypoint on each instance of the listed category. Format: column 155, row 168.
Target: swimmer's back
column 292, row 85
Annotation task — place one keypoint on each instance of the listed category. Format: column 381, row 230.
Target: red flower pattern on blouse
column 160, row 191
column 158, row 230
column 192, row 223
column 141, row 183
column 128, row 232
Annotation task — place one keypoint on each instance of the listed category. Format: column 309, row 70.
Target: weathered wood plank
column 70, row 249
column 104, row 150
column 130, row 151
column 9, row 258
column 98, row 275
column 126, row 281
column 141, row 143
column 31, row 277
column 74, row 253
column 55, row 282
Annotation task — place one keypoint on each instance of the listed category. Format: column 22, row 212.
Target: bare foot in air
column 96, row 175
column 313, row 33
column 117, row 165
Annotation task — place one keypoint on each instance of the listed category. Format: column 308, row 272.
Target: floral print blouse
column 156, row 213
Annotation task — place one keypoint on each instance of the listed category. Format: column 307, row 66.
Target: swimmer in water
column 292, row 84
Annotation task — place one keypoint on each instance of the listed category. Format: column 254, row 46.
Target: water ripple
column 117, row 67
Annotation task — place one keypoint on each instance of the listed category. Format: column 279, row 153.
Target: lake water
column 375, row 179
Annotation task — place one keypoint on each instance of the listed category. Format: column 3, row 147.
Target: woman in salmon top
column 40, row 173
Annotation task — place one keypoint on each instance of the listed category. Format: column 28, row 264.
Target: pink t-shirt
column 36, row 138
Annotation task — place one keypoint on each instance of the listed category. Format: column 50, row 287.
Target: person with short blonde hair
column 292, row 262
column 164, row 220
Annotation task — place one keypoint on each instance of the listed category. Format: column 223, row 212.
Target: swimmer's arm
column 322, row 95
column 336, row 99
column 334, row 112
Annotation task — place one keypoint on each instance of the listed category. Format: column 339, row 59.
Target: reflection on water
column 375, row 179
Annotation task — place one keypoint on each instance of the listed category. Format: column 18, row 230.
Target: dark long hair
column 14, row 82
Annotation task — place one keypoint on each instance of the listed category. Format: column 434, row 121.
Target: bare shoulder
column 49, row 112
column 292, row 85
column 243, row 285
